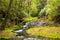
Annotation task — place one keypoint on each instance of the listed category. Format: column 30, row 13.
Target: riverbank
column 50, row 32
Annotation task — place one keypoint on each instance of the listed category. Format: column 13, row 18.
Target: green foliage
column 50, row 9
column 4, row 5
column 30, row 18
column 29, row 7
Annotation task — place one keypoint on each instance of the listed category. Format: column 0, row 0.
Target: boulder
column 35, row 23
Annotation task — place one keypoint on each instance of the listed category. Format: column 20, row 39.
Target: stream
column 21, row 34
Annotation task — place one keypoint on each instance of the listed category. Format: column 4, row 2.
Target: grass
column 7, row 33
column 50, row 32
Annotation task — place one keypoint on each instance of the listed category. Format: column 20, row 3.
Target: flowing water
column 21, row 34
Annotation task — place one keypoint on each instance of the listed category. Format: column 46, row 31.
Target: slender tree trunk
column 6, row 16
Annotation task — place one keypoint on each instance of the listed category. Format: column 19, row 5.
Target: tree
column 6, row 16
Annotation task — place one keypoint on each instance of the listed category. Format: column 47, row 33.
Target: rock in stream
column 21, row 32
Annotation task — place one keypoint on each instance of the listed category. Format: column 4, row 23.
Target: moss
column 30, row 18
column 50, row 32
column 7, row 33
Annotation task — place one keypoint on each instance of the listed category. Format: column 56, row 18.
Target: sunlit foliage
column 51, row 32
column 50, row 9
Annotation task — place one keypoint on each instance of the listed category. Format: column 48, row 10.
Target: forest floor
column 51, row 32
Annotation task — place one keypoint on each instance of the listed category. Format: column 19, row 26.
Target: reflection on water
column 30, row 38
